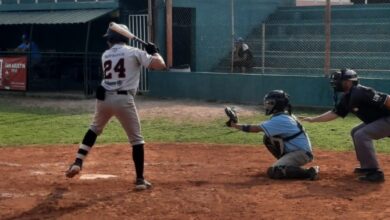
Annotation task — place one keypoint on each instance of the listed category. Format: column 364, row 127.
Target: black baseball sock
column 138, row 158
column 84, row 148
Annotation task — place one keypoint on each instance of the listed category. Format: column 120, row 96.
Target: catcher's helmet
column 336, row 78
column 114, row 37
column 276, row 101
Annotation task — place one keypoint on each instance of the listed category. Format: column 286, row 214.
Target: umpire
column 370, row 106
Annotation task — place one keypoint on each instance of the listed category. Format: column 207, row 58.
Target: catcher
column 284, row 137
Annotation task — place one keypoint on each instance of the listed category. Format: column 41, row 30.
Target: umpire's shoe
column 73, row 170
column 142, row 184
column 359, row 170
column 375, row 176
column 314, row 173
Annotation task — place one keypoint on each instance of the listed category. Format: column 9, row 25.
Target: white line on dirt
column 9, row 164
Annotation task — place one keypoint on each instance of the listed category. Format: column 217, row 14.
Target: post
column 86, row 72
column 263, row 47
column 327, row 37
column 150, row 21
column 169, row 32
column 30, row 72
column 232, row 22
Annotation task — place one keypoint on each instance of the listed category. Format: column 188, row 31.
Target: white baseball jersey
column 122, row 66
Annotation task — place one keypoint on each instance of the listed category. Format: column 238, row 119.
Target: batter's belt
column 124, row 92
column 101, row 92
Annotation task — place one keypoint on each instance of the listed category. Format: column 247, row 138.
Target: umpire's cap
column 114, row 37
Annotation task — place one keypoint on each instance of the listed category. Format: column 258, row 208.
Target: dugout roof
column 51, row 17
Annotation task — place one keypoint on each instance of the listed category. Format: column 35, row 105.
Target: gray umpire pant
column 363, row 136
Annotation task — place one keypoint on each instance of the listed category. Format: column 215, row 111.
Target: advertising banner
column 13, row 73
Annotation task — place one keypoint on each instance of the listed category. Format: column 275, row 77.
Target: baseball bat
column 120, row 30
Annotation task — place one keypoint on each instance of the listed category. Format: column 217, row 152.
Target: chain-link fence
column 283, row 37
column 297, row 41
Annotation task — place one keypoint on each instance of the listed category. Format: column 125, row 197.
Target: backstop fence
column 303, row 38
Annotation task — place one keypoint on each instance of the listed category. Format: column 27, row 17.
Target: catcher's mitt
column 232, row 115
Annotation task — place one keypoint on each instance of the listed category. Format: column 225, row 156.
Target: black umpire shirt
column 364, row 102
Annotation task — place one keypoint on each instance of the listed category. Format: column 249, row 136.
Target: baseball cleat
column 359, row 170
column 73, row 170
column 142, row 184
column 314, row 173
column 376, row 177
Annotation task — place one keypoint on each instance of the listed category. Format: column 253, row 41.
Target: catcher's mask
column 114, row 37
column 337, row 78
column 276, row 101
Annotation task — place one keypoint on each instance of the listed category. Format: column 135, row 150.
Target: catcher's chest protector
column 275, row 144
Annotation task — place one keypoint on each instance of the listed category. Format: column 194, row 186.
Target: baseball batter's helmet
column 276, row 101
column 114, row 37
column 337, row 78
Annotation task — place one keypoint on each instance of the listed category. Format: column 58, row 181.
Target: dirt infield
column 191, row 181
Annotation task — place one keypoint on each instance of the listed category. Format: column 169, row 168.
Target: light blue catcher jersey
column 285, row 126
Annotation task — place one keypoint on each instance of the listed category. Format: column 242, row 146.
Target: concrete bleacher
column 295, row 37
column 295, row 40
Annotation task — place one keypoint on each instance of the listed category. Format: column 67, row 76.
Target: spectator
column 29, row 46
column 242, row 56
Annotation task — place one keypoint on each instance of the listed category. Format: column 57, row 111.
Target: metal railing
column 138, row 26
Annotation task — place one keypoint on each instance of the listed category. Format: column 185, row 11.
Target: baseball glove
column 232, row 115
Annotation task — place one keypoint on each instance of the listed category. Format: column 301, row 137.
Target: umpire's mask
column 276, row 101
column 337, row 78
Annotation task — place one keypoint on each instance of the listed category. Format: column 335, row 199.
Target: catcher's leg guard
column 292, row 172
column 278, row 172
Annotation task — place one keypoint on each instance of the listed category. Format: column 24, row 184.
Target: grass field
column 21, row 125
